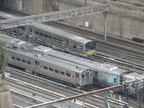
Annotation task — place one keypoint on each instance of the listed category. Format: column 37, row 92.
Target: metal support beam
column 126, row 92
column 73, row 97
column 52, row 16
column 106, row 103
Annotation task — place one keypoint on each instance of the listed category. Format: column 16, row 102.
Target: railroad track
column 35, row 83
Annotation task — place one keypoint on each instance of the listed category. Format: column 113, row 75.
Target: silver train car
column 47, row 35
column 104, row 74
column 33, row 59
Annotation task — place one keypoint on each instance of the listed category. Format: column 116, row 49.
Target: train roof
column 90, row 63
column 53, row 61
column 65, row 34
column 133, row 76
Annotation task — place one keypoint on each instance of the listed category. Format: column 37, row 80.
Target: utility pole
column 106, row 104
column 126, row 87
column 105, row 17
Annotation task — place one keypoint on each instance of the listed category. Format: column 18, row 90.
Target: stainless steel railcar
column 47, row 35
column 104, row 74
column 31, row 58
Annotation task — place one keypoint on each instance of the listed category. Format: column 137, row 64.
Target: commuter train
column 98, row 73
column 33, row 59
column 48, row 36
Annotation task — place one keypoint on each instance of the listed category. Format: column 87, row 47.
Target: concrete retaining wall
column 133, row 1
column 15, row 4
column 116, row 24
column 33, row 6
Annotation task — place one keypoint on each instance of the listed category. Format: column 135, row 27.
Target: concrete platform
column 5, row 98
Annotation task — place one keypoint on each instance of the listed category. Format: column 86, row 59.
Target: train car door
column 77, row 79
column 95, row 77
column 36, row 67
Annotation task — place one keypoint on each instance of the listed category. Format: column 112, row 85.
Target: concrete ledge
column 5, row 98
column 3, row 89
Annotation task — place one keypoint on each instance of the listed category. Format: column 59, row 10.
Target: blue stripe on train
column 111, row 79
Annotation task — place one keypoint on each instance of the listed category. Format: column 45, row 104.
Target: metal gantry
column 52, row 16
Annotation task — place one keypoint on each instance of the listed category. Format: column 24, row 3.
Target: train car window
column 45, row 67
column 36, row 32
column 74, row 46
column 55, row 39
column 57, row 71
column 18, row 59
column 81, row 46
column 51, row 69
column 13, row 57
column 46, row 36
column 23, row 61
column 90, row 46
column 67, row 74
column 62, row 72
column 23, row 28
column 87, row 74
column 41, row 34
column 36, row 63
column 67, row 42
column 91, row 74
column 28, row 62
column 50, row 37
column 115, row 80
column 82, row 75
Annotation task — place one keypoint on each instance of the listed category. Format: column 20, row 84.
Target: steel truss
column 52, row 16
